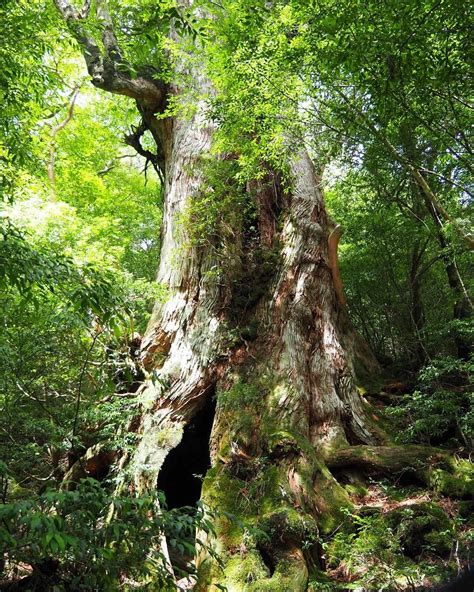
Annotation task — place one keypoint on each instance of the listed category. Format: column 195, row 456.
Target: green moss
column 242, row 570
column 260, row 509
column 331, row 499
column 422, row 528
column 247, row 573
column 320, row 582
column 286, row 526
column 356, row 490
column 289, row 576
column 283, row 443
column 225, row 493
column 459, row 483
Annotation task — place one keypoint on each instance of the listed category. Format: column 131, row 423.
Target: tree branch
column 449, row 181
column 105, row 66
column 390, row 460
column 113, row 163
column 134, row 140
column 109, row 38
column 413, row 169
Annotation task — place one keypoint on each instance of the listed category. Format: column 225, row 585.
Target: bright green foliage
column 441, row 410
column 390, row 551
column 33, row 272
column 382, row 251
column 377, row 92
column 96, row 540
column 30, row 88
column 385, row 82
column 77, row 282
column 103, row 211
column 256, row 95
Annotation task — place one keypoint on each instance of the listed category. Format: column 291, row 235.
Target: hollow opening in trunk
column 268, row 559
column 181, row 475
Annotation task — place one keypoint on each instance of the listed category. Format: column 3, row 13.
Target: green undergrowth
column 90, row 539
column 354, row 535
column 396, row 548
column 438, row 410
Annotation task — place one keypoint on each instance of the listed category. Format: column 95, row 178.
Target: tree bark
column 416, row 309
column 286, row 392
column 462, row 302
column 265, row 330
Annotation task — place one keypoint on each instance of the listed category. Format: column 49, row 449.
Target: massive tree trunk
column 263, row 332
column 267, row 334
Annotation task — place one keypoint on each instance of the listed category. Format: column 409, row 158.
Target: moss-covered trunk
column 254, row 317
column 263, row 329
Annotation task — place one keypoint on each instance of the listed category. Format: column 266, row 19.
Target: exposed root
column 435, row 468
column 390, row 460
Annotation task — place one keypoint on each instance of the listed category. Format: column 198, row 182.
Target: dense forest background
column 381, row 94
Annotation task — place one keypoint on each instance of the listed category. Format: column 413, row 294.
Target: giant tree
column 254, row 317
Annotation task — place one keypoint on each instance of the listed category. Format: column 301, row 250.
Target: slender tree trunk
column 462, row 303
column 422, row 193
column 417, row 312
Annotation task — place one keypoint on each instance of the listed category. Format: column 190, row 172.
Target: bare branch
column 134, row 140
column 113, row 163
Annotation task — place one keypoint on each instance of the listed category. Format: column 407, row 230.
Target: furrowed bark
column 296, row 367
column 266, row 329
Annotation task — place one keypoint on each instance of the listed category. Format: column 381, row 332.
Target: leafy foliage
column 441, row 409
column 378, row 550
column 394, row 275
column 86, row 538
column 381, row 95
column 29, row 84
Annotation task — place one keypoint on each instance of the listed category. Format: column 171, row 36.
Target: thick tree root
column 434, row 468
